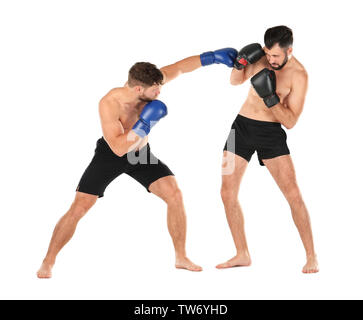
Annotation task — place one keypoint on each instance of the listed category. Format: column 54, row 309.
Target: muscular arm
column 118, row 139
column 289, row 112
column 189, row 64
column 240, row 76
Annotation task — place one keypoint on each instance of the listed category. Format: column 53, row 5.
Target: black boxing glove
column 248, row 55
column 264, row 83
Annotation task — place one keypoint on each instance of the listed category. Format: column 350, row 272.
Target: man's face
column 150, row 93
column 277, row 57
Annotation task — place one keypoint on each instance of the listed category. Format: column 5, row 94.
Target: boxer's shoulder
column 298, row 68
column 114, row 93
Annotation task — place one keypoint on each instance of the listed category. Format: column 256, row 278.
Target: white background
column 58, row 58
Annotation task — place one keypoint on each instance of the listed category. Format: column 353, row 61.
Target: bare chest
column 283, row 84
column 129, row 114
column 128, row 119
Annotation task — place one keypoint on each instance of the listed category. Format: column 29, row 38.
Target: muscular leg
column 65, row 229
column 167, row 189
column 229, row 192
column 283, row 172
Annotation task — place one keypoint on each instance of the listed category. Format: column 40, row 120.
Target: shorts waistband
column 258, row 122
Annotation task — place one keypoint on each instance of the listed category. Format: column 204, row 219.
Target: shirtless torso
column 120, row 108
column 291, row 86
column 119, row 111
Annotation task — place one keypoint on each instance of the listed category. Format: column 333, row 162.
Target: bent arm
column 289, row 112
column 174, row 70
column 240, row 76
column 119, row 140
column 251, row 54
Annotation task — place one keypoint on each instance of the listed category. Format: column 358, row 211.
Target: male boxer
column 127, row 115
column 279, row 84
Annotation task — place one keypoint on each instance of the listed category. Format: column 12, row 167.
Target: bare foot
column 311, row 265
column 185, row 263
column 45, row 270
column 240, row 260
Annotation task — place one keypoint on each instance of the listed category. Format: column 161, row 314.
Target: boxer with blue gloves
column 127, row 115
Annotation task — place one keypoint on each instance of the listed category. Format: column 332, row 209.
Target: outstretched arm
column 225, row 56
column 189, row 64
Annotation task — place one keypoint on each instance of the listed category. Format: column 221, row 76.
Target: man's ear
column 289, row 52
column 138, row 89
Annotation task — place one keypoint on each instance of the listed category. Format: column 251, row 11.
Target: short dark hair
column 144, row 74
column 281, row 35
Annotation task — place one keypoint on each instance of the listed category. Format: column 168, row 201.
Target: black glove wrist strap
column 271, row 100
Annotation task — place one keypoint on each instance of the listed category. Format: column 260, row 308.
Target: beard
column 279, row 67
column 143, row 98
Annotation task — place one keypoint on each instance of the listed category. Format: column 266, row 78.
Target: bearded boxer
column 127, row 115
column 276, row 97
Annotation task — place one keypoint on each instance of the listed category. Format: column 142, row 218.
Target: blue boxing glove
column 150, row 115
column 226, row 56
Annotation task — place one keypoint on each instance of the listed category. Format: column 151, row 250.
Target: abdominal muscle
column 255, row 108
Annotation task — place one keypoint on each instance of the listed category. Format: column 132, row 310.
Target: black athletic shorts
column 249, row 135
column 105, row 166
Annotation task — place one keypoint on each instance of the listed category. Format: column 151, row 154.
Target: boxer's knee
column 167, row 189
column 293, row 196
column 228, row 194
column 173, row 196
